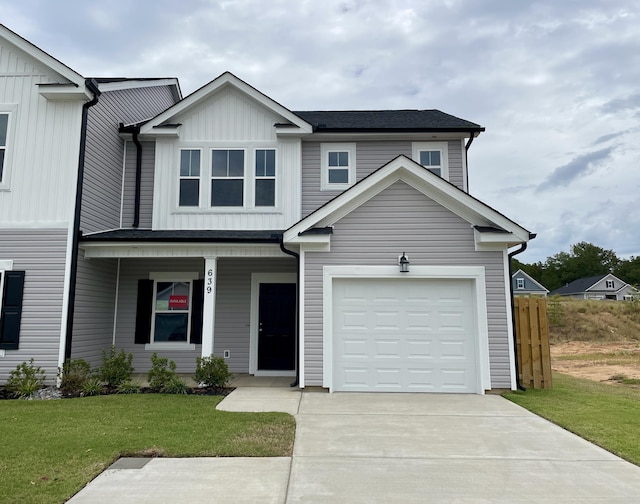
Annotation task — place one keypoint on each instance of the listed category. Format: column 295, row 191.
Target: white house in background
column 523, row 284
column 341, row 248
column 597, row 287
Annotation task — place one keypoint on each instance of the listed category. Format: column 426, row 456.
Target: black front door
column 277, row 327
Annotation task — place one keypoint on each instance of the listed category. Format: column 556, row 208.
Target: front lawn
column 607, row 415
column 50, row 449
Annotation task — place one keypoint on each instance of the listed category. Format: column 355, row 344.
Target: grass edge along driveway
column 605, row 414
column 52, row 449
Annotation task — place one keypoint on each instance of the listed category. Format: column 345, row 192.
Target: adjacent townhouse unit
column 523, row 284
column 597, row 287
column 341, row 248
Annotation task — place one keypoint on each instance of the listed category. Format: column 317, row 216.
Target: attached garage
column 412, row 333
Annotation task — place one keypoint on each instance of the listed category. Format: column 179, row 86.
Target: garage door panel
column 404, row 335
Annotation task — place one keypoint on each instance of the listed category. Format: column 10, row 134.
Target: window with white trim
column 338, row 166
column 171, row 316
column 434, row 156
column 189, row 192
column 265, row 182
column 227, row 177
column 520, row 283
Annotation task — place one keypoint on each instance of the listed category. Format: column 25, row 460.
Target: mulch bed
column 54, row 393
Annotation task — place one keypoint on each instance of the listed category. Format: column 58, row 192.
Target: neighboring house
column 342, row 248
column 524, row 285
column 597, row 287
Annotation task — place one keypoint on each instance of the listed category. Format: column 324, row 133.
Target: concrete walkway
column 368, row 448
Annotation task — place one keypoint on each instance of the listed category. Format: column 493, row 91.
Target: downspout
column 522, row 248
column 297, row 256
column 136, row 210
column 92, row 86
column 466, row 156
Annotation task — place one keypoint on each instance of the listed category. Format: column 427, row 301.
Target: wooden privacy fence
column 532, row 340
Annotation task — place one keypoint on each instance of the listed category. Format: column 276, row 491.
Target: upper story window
column 189, row 178
column 265, row 193
column 520, row 283
column 338, row 166
column 609, row 284
column 227, row 177
column 4, row 126
column 433, row 156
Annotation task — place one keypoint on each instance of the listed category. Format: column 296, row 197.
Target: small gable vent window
column 265, row 177
column 433, row 156
column 4, row 126
column 520, row 283
column 189, row 178
column 338, row 162
column 227, row 177
column 609, row 284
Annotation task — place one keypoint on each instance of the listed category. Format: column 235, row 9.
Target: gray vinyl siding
column 94, row 309
column 146, row 185
column 104, row 155
column 233, row 303
column 41, row 254
column 400, row 219
column 370, row 155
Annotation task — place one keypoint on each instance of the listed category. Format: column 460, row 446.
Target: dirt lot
column 606, row 361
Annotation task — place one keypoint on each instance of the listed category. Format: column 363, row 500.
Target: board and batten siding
column 94, row 309
column 41, row 254
column 102, row 190
column 401, row 219
column 227, row 120
column 146, row 185
column 233, row 307
column 370, row 155
column 42, row 153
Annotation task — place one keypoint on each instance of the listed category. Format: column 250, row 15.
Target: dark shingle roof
column 386, row 120
column 579, row 285
column 212, row 236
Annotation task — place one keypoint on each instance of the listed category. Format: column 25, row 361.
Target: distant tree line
column 584, row 260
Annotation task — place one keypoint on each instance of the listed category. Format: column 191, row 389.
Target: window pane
column 260, row 163
column 227, row 192
column 171, row 327
column 339, row 176
column 4, row 120
column 189, row 192
column 435, row 158
column 265, row 192
column 219, row 163
column 333, row 159
column 270, row 163
column 172, row 296
column 436, row 171
column 1, row 163
column 425, row 158
column 236, row 163
column 343, row 159
column 265, row 163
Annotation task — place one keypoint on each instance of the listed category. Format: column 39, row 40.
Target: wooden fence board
column 532, row 342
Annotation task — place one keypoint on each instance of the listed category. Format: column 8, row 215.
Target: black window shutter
column 143, row 312
column 11, row 310
column 196, row 312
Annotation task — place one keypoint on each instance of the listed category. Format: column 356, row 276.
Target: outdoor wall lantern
column 403, row 261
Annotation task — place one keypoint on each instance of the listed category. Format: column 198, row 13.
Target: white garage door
column 404, row 335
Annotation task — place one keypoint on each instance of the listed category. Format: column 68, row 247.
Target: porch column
column 209, row 307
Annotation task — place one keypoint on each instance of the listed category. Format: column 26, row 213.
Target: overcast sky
column 556, row 83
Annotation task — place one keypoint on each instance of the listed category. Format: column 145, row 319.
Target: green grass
column 607, row 415
column 50, row 449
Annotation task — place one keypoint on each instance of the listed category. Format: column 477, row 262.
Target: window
column 433, row 156
column 4, row 127
column 189, row 178
column 11, row 293
column 609, row 284
column 227, row 177
column 265, row 177
column 172, row 303
column 338, row 163
column 520, row 283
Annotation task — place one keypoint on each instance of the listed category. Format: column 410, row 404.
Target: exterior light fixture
column 403, row 261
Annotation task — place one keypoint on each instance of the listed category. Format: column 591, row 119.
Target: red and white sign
column 179, row 302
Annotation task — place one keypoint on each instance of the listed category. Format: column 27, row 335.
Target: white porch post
column 209, row 308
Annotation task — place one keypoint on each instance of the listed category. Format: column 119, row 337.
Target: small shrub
column 116, row 368
column 175, row 386
column 128, row 388
column 73, row 375
column 212, row 372
column 26, row 379
column 162, row 374
column 92, row 387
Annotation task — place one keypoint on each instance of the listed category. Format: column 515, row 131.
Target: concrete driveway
column 364, row 448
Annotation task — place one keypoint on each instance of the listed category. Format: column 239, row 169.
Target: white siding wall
column 228, row 119
column 146, row 185
column 400, row 219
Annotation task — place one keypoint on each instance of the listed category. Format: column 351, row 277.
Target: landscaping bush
column 128, row 388
column 212, row 372
column 73, row 375
column 26, row 379
column 116, row 368
column 162, row 376
column 92, row 387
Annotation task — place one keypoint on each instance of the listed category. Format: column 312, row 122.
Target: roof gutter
column 92, row 86
column 297, row 256
column 522, row 248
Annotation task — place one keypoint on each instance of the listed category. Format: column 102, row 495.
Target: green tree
column 629, row 270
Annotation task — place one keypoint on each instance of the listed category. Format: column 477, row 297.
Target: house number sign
column 209, row 281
